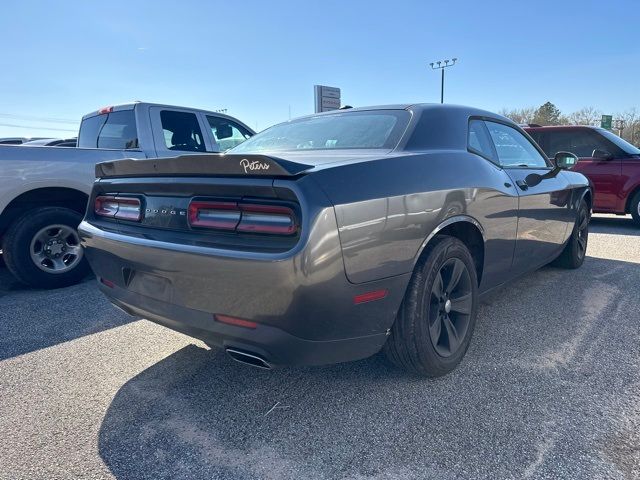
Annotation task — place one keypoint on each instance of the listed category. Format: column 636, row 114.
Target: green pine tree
column 547, row 114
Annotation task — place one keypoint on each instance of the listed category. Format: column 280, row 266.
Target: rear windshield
column 366, row 130
column 111, row 130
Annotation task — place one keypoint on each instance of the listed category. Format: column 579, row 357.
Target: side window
column 226, row 133
column 478, row 140
column 539, row 138
column 513, row 148
column 113, row 130
column 580, row 141
column 181, row 131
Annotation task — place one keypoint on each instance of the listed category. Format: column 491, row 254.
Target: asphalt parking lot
column 550, row 388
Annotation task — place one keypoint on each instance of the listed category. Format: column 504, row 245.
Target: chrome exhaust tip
column 248, row 358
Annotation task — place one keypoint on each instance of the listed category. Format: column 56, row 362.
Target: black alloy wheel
column 450, row 307
column 435, row 322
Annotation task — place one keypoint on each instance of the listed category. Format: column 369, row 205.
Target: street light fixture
column 439, row 66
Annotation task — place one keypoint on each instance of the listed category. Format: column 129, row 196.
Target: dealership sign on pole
column 326, row 98
column 606, row 121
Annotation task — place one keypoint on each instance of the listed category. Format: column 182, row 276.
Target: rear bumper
column 274, row 345
column 302, row 301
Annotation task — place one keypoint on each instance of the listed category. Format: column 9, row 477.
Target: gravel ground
column 550, row 388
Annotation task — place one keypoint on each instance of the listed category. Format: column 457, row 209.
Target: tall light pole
column 441, row 65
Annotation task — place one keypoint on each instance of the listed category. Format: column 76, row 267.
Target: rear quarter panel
column 387, row 208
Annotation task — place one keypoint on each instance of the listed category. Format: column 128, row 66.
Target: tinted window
column 580, row 141
column 181, row 131
column 479, row 140
column 513, row 148
column 619, row 142
column 538, row 138
column 226, row 133
column 111, row 130
column 367, row 129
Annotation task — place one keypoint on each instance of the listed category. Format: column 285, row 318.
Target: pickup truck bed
column 44, row 190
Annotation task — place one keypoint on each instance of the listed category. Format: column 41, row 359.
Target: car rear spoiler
column 216, row 164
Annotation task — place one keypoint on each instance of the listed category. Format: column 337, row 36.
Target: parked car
column 44, row 190
column 609, row 162
column 52, row 142
column 330, row 237
column 16, row 140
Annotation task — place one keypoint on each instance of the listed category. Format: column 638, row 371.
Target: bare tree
column 519, row 115
column 631, row 125
column 585, row 116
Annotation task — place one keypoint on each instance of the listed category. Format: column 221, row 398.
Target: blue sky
column 260, row 58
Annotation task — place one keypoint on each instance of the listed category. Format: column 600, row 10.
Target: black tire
column 17, row 244
column 410, row 345
column 634, row 206
column 575, row 250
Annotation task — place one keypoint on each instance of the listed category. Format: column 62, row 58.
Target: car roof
column 442, row 108
column 560, row 127
column 42, row 141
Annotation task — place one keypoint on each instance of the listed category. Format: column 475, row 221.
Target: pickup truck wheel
column 42, row 248
column 575, row 251
column 635, row 208
column 435, row 322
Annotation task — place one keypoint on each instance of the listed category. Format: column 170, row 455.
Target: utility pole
column 441, row 65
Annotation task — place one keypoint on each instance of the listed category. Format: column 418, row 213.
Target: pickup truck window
column 112, row 130
column 182, row 131
column 226, row 133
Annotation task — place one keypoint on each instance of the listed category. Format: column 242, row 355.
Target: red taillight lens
column 106, row 282
column 124, row 208
column 370, row 296
column 267, row 219
column 221, row 215
column 238, row 322
column 243, row 217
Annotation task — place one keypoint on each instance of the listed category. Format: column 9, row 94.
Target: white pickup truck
column 44, row 190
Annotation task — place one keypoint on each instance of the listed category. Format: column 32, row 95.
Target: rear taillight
column 243, row 217
column 220, row 215
column 123, row 208
column 275, row 219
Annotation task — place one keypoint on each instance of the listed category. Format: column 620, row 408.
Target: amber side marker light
column 238, row 322
column 370, row 296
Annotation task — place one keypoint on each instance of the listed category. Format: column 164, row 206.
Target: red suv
column 611, row 164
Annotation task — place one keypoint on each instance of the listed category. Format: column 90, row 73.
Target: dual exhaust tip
column 248, row 358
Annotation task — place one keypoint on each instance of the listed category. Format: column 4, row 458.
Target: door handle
column 522, row 184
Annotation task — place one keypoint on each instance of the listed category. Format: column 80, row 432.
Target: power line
column 38, row 128
column 38, row 119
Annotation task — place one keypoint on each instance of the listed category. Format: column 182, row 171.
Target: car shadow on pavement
column 31, row 319
column 620, row 225
column 537, row 391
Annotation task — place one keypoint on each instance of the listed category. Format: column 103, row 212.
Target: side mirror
column 561, row 161
column 601, row 154
column 565, row 160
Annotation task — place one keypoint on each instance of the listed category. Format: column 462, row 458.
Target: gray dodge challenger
column 331, row 237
